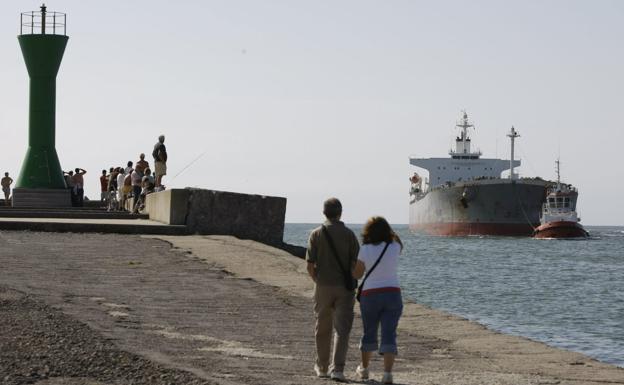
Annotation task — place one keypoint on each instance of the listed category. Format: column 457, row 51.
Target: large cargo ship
column 467, row 195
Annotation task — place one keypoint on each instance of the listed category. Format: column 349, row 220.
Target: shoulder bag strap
column 375, row 265
column 335, row 252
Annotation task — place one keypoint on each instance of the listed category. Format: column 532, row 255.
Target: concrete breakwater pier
column 170, row 212
column 206, row 309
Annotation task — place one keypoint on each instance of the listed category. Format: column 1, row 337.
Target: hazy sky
column 311, row 99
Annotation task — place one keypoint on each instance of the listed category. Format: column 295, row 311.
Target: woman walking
column 380, row 300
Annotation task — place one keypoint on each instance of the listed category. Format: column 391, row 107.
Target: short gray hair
column 332, row 208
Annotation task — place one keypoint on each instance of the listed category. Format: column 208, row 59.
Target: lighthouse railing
column 43, row 23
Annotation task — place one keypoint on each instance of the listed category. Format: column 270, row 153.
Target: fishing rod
column 189, row 165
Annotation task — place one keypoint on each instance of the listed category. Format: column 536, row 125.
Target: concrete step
column 77, row 214
column 97, row 209
column 93, row 206
column 68, row 225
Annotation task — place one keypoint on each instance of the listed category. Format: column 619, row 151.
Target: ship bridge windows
column 559, row 202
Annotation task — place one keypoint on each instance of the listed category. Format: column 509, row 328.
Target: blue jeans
column 384, row 309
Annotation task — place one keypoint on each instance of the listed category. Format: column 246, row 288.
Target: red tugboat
column 559, row 218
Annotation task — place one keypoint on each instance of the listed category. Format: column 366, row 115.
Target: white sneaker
column 338, row 376
column 387, row 378
column 319, row 372
column 362, row 372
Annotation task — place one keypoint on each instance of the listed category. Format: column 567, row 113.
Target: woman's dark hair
column 377, row 230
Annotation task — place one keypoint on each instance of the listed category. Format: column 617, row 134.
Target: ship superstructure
column 466, row 194
column 464, row 164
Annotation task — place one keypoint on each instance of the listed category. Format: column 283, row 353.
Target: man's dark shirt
column 160, row 152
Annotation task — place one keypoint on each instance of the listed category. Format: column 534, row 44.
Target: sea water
column 566, row 293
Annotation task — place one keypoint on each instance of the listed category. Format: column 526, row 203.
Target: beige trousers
column 333, row 307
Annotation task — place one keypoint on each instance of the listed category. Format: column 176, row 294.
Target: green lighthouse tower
column 42, row 40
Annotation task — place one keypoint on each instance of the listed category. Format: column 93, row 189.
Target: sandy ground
column 225, row 311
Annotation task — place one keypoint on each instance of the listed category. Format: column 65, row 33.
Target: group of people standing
column 118, row 182
column 74, row 180
column 135, row 180
column 75, row 183
column 335, row 261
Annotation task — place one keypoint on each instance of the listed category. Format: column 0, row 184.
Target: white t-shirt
column 385, row 274
column 136, row 178
column 120, row 181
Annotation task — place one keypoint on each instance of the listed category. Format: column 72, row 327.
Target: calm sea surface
column 566, row 293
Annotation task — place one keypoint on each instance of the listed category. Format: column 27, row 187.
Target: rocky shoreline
column 40, row 344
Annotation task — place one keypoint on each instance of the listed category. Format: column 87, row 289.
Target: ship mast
column 558, row 175
column 464, row 125
column 513, row 134
column 462, row 142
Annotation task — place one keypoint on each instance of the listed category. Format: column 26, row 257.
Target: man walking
column 6, row 188
column 160, row 161
column 332, row 253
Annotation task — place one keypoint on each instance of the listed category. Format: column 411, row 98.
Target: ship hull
column 482, row 207
column 561, row 229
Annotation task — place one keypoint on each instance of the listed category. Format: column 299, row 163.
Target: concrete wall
column 246, row 216
column 169, row 206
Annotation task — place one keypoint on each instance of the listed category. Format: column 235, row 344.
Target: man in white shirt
column 120, row 182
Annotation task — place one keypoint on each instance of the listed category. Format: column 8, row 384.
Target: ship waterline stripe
column 473, row 228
